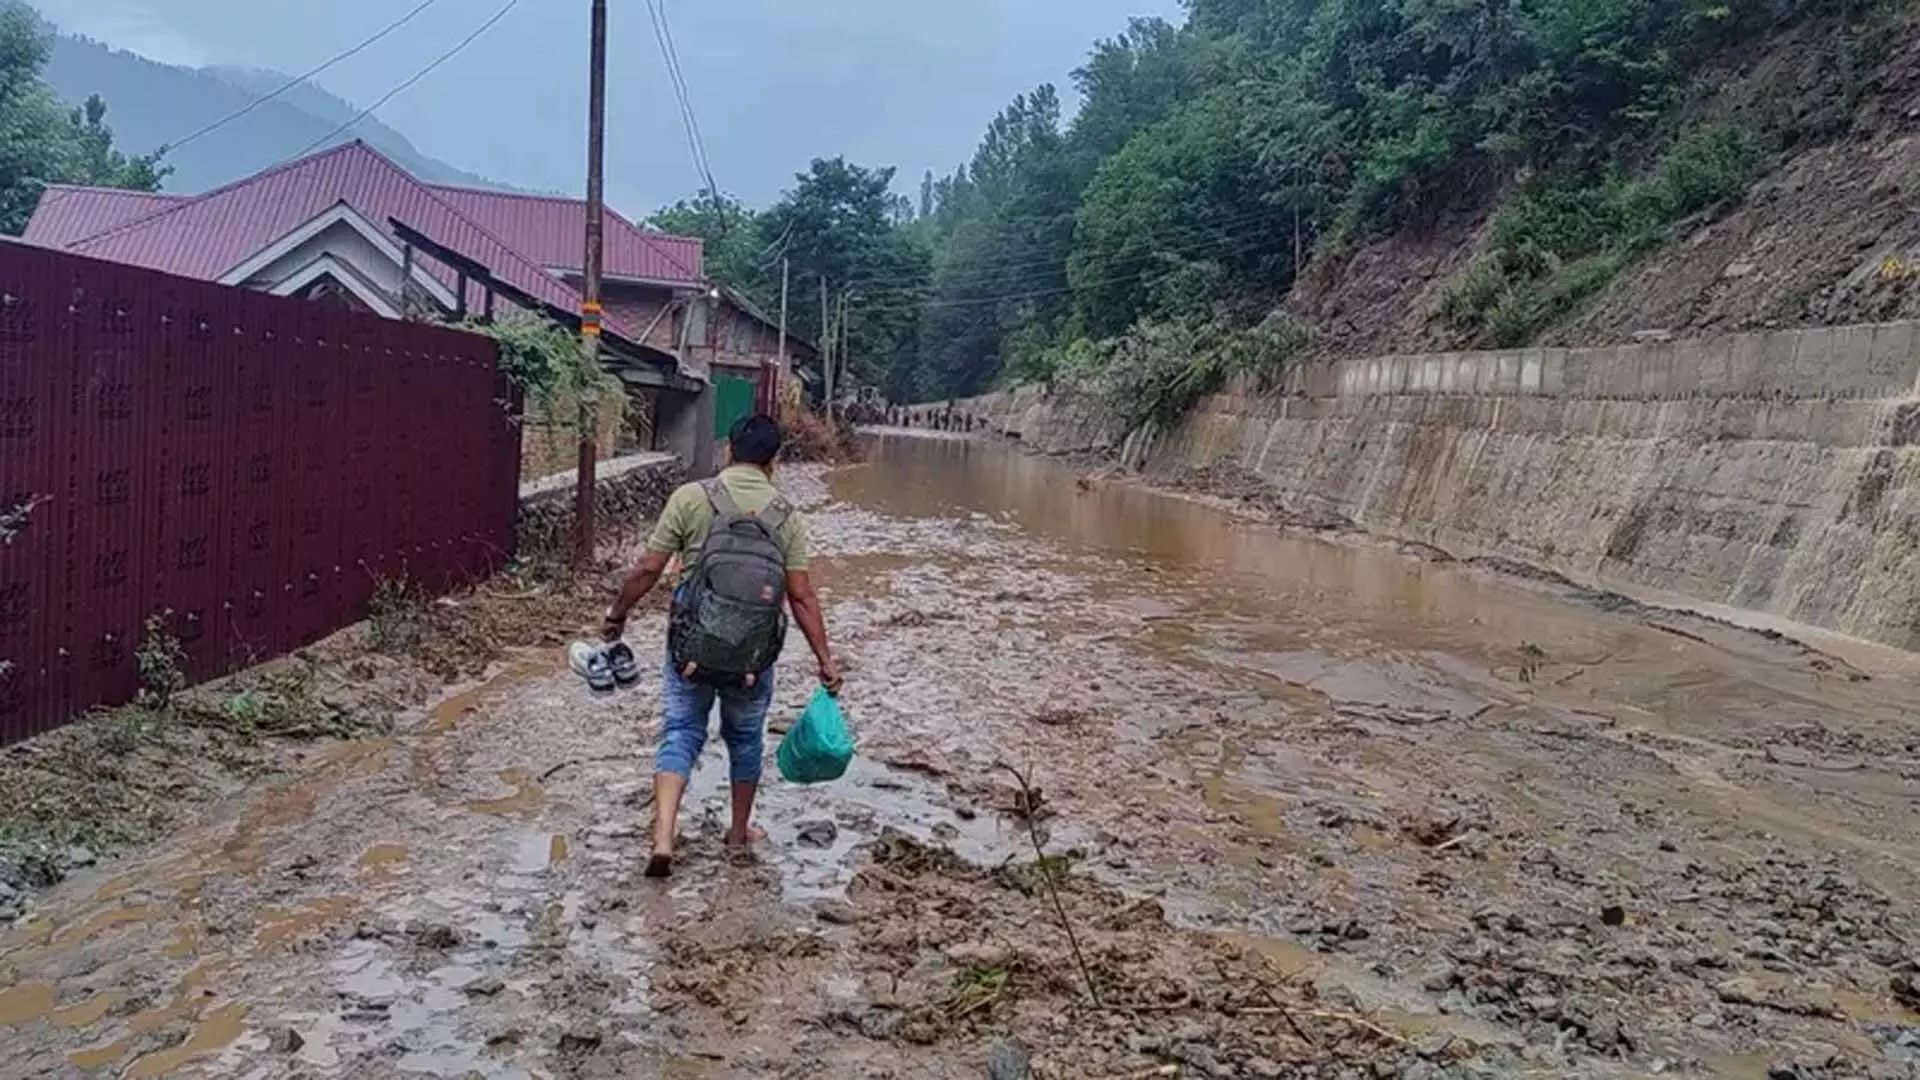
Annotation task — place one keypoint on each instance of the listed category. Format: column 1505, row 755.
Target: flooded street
column 1319, row 809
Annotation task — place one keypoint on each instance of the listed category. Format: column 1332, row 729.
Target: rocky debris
column 955, row 956
column 1060, row 716
column 437, row 936
column 836, row 913
column 486, row 987
column 1745, row 990
column 1008, row 1060
column 287, row 1041
column 1435, row 828
column 1906, row 991
column 581, row 1038
column 817, row 834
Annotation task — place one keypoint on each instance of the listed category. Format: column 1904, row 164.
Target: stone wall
column 630, row 492
column 550, row 440
column 1772, row 472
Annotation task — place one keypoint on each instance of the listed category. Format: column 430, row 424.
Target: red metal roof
column 551, row 230
column 206, row 236
column 68, row 213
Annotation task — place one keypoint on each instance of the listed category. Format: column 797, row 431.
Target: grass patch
column 1559, row 243
column 126, row 776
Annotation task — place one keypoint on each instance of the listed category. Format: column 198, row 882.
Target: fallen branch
column 1046, row 875
column 565, row 765
column 1125, row 910
column 1357, row 1021
column 1282, row 1011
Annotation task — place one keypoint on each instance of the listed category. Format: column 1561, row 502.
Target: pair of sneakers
column 604, row 666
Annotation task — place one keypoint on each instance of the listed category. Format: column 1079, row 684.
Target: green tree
column 730, row 233
column 42, row 143
column 842, row 234
column 98, row 164
column 1004, row 226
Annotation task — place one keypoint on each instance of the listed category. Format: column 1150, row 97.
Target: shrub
column 1556, row 245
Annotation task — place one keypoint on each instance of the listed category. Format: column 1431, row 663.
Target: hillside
column 1284, row 180
column 1816, row 230
column 151, row 104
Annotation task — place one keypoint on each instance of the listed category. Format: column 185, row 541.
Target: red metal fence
column 249, row 466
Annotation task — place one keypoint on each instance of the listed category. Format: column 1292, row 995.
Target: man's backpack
column 729, row 619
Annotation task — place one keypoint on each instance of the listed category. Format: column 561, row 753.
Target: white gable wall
column 341, row 241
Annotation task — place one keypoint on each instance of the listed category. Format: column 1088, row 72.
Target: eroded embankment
column 1771, row 472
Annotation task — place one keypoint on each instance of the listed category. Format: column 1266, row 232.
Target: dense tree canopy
column 1208, row 163
column 42, row 142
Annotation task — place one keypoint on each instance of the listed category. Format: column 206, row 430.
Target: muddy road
column 1311, row 808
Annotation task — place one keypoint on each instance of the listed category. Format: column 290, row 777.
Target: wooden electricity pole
column 780, row 378
column 589, row 417
column 825, row 343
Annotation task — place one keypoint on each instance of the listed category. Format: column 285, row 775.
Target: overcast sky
column 774, row 82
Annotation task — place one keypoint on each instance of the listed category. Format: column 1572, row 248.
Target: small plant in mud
column 162, row 662
column 1532, row 659
column 288, row 705
column 397, row 616
column 1045, row 871
column 976, row 989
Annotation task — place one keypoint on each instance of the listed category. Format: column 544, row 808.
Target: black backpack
column 729, row 620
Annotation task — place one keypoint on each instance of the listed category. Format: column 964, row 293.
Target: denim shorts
column 743, row 725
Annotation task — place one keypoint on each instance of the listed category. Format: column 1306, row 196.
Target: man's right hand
column 830, row 676
column 613, row 628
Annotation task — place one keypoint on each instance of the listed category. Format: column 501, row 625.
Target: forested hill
column 1286, row 175
column 154, row 104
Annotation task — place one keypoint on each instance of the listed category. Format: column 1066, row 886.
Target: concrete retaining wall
column 1773, row 472
column 630, row 492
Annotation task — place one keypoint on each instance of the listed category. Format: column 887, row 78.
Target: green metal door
column 732, row 399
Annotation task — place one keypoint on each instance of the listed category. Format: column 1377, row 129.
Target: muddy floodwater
column 1312, row 808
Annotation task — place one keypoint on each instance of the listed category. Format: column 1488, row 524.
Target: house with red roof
column 349, row 226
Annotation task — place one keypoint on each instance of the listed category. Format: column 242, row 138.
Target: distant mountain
column 150, row 104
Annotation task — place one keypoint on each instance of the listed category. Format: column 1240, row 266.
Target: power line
column 1214, row 247
column 338, row 58
column 673, row 83
column 1138, row 277
column 330, row 136
column 686, row 98
column 296, row 81
column 676, row 78
column 411, row 81
column 981, row 271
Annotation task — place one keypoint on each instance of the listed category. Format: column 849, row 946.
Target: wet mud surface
column 1312, row 809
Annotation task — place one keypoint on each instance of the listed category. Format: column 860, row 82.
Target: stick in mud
column 1046, row 875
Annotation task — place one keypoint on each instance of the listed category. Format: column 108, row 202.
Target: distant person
column 726, row 626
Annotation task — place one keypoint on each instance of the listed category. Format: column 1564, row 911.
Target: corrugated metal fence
column 253, row 466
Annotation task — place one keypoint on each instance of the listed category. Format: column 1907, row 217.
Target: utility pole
column 780, row 377
column 845, row 346
column 825, row 343
column 585, row 482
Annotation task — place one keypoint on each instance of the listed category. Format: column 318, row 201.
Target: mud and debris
column 128, row 776
column 1309, row 809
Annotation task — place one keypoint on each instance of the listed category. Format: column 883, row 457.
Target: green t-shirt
column 683, row 525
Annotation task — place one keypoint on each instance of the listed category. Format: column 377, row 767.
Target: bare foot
column 755, row 834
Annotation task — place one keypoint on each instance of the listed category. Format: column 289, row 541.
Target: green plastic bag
column 819, row 747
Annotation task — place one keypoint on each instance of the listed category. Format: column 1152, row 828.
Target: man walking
column 743, row 550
